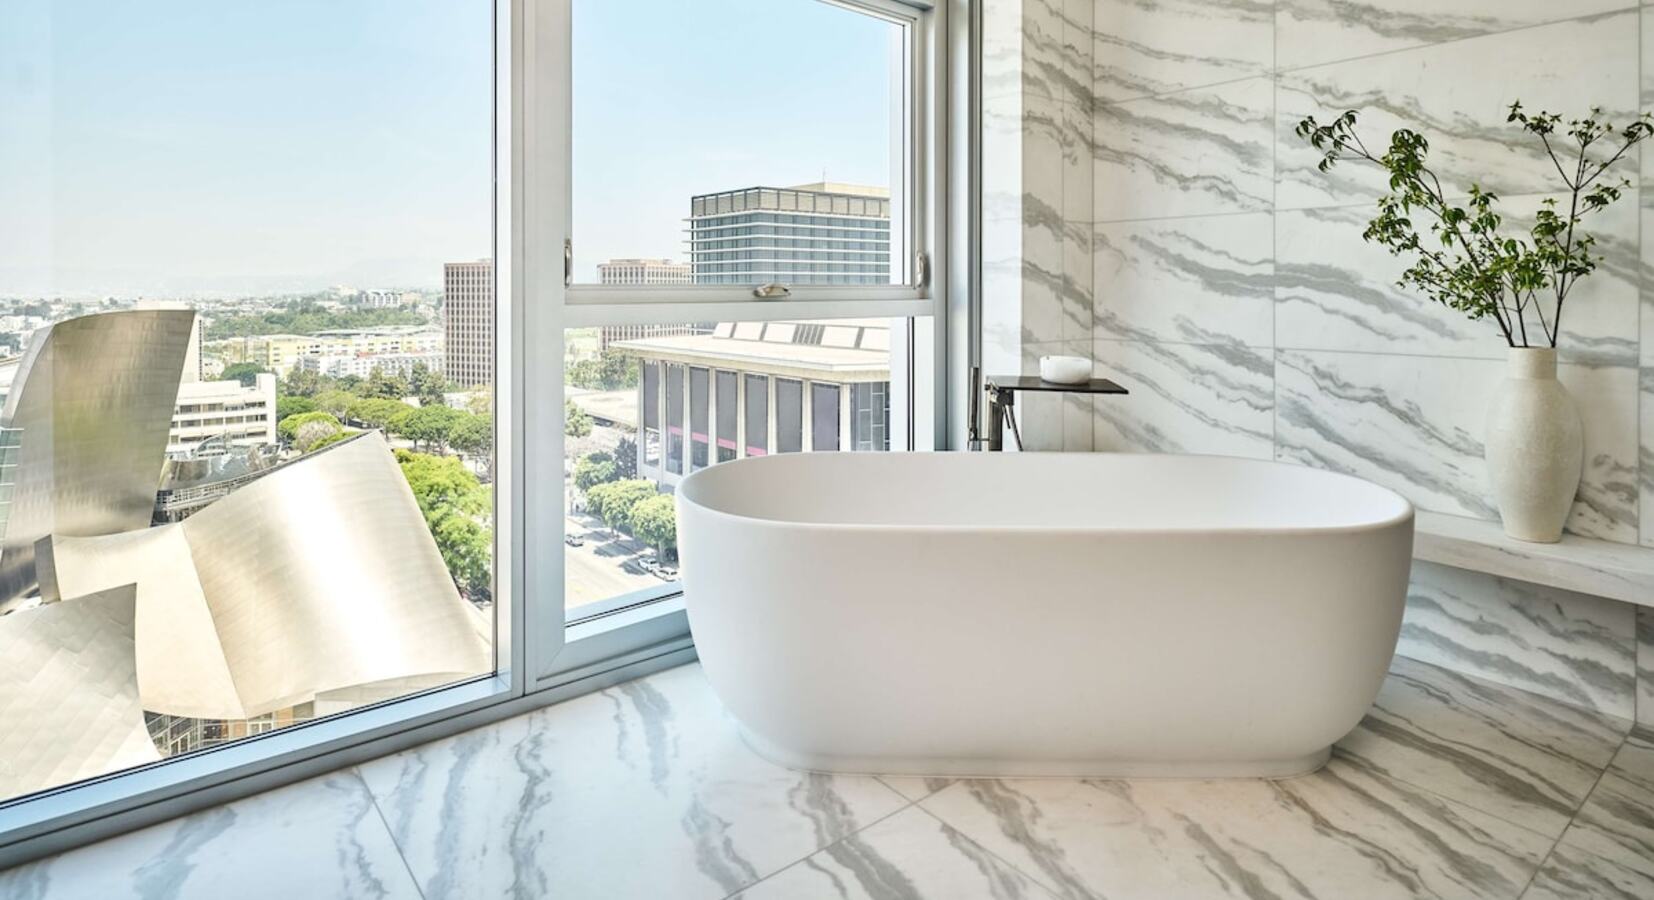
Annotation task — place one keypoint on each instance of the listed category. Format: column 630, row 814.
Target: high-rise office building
column 822, row 233
column 468, row 322
column 643, row 271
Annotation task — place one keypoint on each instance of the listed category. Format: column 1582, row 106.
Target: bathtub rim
column 1406, row 515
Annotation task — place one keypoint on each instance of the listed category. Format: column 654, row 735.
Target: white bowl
column 1065, row 369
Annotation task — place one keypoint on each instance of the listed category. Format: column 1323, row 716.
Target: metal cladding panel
column 319, row 576
column 69, row 706
column 93, row 399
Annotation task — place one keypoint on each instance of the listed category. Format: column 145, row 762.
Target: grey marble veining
column 1518, row 756
column 656, row 771
column 1192, row 153
column 1185, row 398
column 1341, row 832
column 1570, row 874
column 1645, row 452
column 1617, row 821
column 1414, row 424
column 1645, row 667
column 1316, row 31
column 1571, row 647
column 1445, row 93
column 316, row 839
column 910, row 856
column 1186, row 280
column 1054, row 421
column 1143, row 47
column 1336, row 291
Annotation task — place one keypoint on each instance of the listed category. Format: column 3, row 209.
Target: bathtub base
column 1037, row 768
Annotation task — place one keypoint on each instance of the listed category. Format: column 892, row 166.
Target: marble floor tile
column 1617, row 821
column 1515, row 755
column 909, row 856
column 1570, row 874
column 316, row 840
column 642, row 790
column 1341, row 832
column 914, row 788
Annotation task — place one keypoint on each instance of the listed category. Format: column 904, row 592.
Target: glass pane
column 824, row 407
column 785, row 173
column 789, row 415
column 246, row 461
column 718, row 384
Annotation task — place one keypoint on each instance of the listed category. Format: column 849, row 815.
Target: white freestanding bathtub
column 1042, row 614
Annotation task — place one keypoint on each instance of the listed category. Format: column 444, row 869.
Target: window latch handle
column 771, row 291
column 568, row 262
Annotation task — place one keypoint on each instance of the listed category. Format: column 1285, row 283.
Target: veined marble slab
column 1336, row 291
column 1415, row 424
column 1143, row 49
column 1192, row 153
column 1185, row 398
column 1575, row 648
column 642, row 790
column 911, row 856
column 1645, row 667
column 1317, row 31
column 1570, row 874
column 1645, row 452
column 1600, row 568
column 1456, row 95
column 1186, row 280
column 1049, row 420
column 1341, row 832
column 1511, row 754
column 320, row 838
column 1617, row 821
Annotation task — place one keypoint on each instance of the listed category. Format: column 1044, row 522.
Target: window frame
column 543, row 655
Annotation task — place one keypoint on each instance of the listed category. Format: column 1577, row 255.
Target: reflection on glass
column 704, row 386
column 246, row 453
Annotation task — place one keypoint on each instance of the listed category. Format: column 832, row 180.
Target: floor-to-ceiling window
column 247, row 307
column 761, row 243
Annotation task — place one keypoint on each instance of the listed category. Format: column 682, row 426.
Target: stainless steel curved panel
column 319, row 576
column 90, row 408
column 69, row 706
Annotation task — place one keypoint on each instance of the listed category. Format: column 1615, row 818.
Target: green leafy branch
column 1467, row 262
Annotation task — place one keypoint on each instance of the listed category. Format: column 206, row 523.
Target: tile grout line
column 1274, row 229
column 909, row 804
column 1551, row 851
column 1310, row 208
column 1383, row 353
column 374, row 799
column 979, row 845
column 1277, row 70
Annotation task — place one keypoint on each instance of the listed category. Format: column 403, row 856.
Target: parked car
column 574, row 540
column 667, row 572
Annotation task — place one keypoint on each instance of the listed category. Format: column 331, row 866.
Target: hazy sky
column 188, row 146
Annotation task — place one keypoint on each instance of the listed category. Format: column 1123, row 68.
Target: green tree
column 314, row 436
column 335, row 402
column 625, row 457
column 610, row 370
column 292, row 406
column 575, row 421
column 472, row 435
column 456, row 508
column 307, row 317
column 614, row 502
column 289, row 427
column 432, row 426
column 388, row 385
column 594, row 469
column 376, row 412
column 655, row 522
column 301, row 383
column 244, row 372
column 427, row 385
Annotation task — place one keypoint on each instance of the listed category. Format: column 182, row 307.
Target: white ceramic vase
column 1535, row 447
